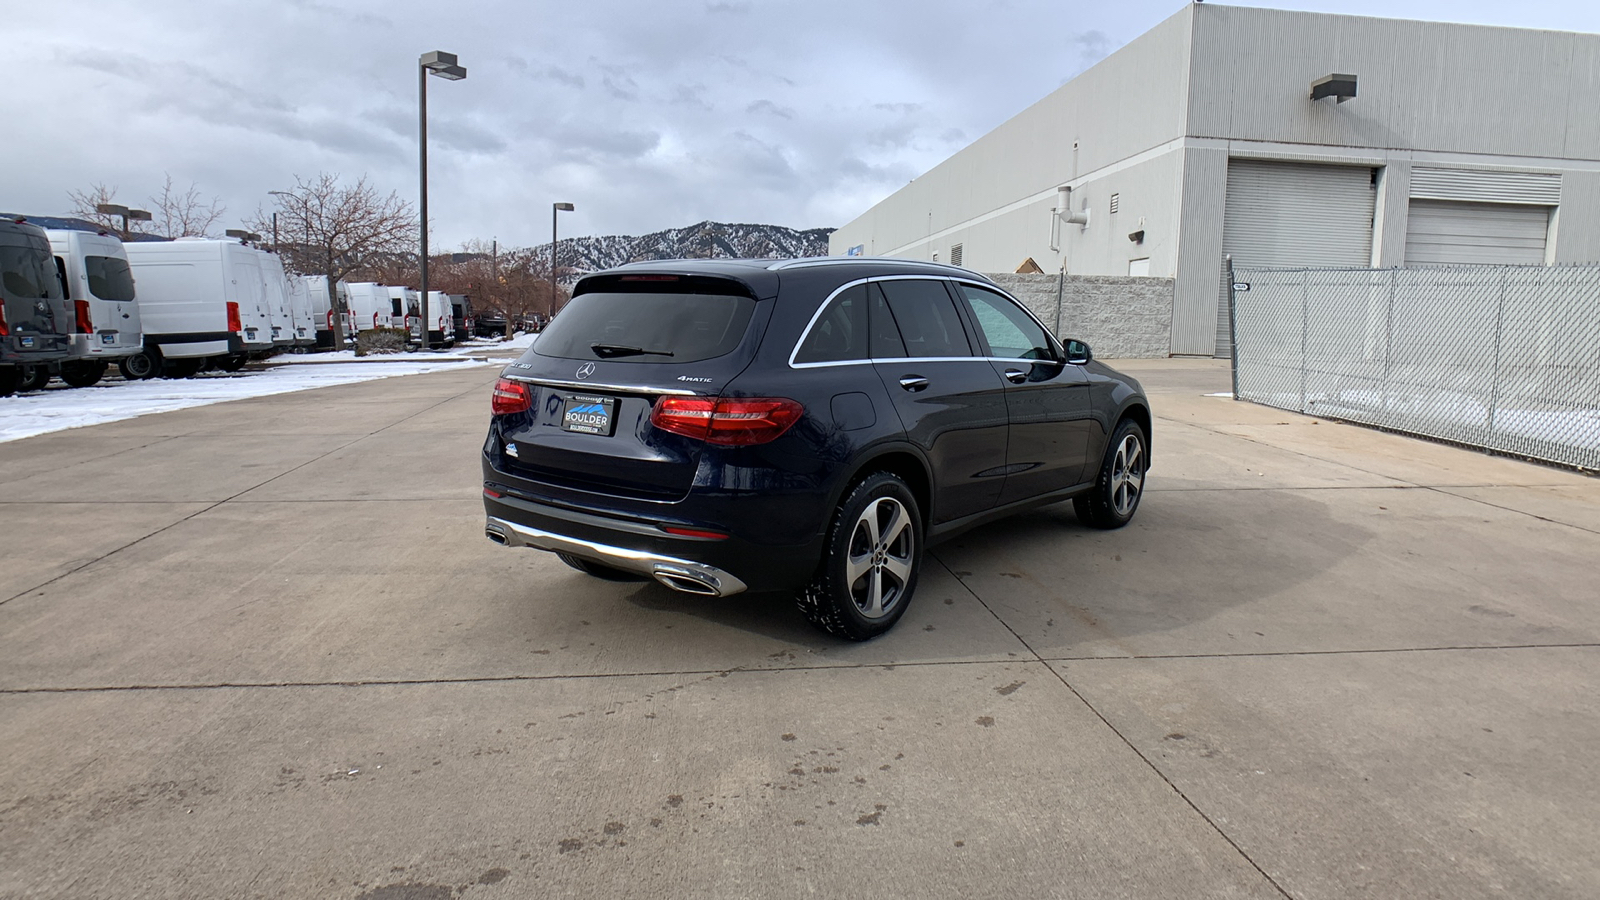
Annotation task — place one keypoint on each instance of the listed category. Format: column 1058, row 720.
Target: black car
column 804, row 425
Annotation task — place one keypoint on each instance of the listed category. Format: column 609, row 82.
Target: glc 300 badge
column 585, row 370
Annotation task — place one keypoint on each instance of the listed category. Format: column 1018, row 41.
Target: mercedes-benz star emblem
column 585, row 370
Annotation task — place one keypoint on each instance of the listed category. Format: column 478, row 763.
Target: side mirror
column 1078, row 353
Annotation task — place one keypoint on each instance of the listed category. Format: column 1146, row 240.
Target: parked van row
column 73, row 302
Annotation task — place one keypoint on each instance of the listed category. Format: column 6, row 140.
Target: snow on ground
column 522, row 340
column 111, row 401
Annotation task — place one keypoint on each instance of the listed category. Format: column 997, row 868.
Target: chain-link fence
column 1501, row 357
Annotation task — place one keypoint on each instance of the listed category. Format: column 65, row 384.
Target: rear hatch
column 35, row 320
column 595, row 374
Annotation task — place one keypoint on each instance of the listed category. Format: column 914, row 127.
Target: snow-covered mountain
column 707, row 240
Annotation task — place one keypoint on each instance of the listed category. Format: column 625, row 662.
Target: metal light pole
column 442, row 64
column 555, row 210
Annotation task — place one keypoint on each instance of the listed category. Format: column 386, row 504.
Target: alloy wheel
column 1127, row 475
column 879, row 562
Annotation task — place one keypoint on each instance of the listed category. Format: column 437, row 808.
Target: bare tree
column 184, row 215
column 326, row 227
column 85, row 203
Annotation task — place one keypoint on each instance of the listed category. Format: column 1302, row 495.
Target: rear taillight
column 85, row 321
column 330, row 320
column 510, row 397
column 5, row 327
column 727, row 422
column 235, row 325
column 374, row 320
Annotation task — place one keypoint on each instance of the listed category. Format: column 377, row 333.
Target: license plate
column 108, row 338
column 27, row 343
column 589, row 415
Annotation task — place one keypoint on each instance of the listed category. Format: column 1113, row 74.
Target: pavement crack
column 1116, row 731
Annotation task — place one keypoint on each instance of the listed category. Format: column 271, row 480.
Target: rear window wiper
column 607, row 351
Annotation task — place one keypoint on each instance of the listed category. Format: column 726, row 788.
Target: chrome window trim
column 599, row 386
column 858, row 362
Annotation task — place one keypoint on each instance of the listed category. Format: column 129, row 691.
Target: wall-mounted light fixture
column 1339, row 87
column 1136, row 236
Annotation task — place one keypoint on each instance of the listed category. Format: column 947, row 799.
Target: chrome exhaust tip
column 496, row 536
column 687, row 580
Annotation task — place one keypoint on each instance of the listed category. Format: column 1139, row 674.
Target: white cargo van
column 100, row 291
column 199, row 300
column 369, row 305
column 305, row 326
column 275, row 296
column 403, row 306
column 441, row 320
column 322, row 309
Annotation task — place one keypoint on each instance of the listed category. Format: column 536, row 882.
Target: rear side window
column 109, row 277
column 927, row 318
column 647, row 327
column 855, row 325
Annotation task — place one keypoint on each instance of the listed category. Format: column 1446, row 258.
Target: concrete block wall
column 1117, row 316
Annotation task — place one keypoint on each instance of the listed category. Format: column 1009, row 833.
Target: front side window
column 926, row 317
column 1010, row 332
column 109, row 277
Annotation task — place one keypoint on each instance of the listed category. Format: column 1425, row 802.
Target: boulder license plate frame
column 586, row 414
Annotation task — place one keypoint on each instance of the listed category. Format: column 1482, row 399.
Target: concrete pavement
column 1323, row 662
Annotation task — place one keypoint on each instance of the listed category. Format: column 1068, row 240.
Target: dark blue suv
column 804, row 425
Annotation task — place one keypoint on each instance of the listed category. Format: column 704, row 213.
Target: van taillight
column 330, row 320
column 235, row 325
column 85, row 321
column 374, row 320
column 5, row 327
column 738, row 422
column 510, row 397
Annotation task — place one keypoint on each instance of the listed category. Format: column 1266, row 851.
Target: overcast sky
column 646, row 115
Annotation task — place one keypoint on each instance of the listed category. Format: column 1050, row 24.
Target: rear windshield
column 28, row 272
column 109, row 277
column 642, row 327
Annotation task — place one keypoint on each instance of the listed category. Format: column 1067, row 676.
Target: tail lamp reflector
column 694, row 532
column 5, row 327
column 235, row 324
column 510, row 397
column 85, row 320
column 729, row 422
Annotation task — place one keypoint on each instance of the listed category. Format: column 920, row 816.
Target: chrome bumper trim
column 678, row 574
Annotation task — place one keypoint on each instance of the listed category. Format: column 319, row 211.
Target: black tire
column 1120, row 484
column 184, row 367
column 10, row 380
column 83, row 373
column 597, row 570
column 140, row 366
column 870, row 563
column 34, row 378
column 233, row 362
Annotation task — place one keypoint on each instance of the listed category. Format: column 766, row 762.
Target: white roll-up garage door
column 1295, row 214
column 1448, row 232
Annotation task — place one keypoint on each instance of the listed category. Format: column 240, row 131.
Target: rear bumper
column 679, row 574
column 634, row 541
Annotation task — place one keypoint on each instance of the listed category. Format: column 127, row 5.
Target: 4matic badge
column 694, row 379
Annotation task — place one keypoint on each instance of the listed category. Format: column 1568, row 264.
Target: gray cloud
column 644, row 117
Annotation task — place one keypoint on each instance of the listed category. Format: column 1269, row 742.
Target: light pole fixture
column 117, row 209
column 555, row 210
column 443, row 65
column 242, row 235
column 275, row 218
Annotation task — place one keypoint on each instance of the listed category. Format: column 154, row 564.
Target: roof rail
column 810, row 261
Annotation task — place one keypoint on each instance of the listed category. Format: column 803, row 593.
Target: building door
column 1294, row 214
column 1451, row 232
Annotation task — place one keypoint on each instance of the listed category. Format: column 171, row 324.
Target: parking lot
column 262, row 649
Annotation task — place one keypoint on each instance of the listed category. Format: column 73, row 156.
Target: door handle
column 1016, row 376
column 914, row 383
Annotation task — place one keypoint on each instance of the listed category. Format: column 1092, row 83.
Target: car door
column 951, row 402
column 1047, row 400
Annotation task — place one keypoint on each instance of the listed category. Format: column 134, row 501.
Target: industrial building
column 1279, row 138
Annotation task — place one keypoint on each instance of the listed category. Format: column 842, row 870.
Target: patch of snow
column 1228, row 394
column 112, row 401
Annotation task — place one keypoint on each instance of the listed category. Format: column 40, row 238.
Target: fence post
column 1499, row 326
column 1305, row 287
column 1388, row 345
column 1233, row 327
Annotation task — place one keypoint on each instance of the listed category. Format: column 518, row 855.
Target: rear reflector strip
column 693, row 532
